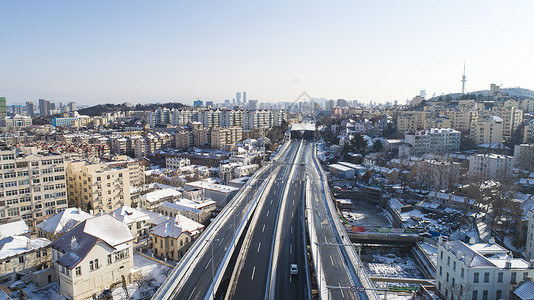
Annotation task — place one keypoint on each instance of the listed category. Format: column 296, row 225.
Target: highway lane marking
column 291, row 229
column 291, row 249
column 271, row 201
column 292, row 214
column 325, row 239
column 192, row 292
column 332, row 260
column 263, row 229
column 253, row 270
column 259, row 245
column 221, row 241
column 209, row 261
column 268, row 213
column 341, row 290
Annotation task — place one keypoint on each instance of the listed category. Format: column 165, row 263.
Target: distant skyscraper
column 3, row 107
column 198, row 103
column 17, row 109
column 245, row 98
column 463, row 81
column 44, row 107
column 238, row 97
column 71, row 106
column 30, row 110
column 209, row 103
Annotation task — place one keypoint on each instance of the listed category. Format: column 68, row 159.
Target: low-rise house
column 14, row 228
column 136, row 221
column 152, row 200
column 198, row 212
column 172, row 239
column 93, row 255
column 221, row 194
column 20, row 255
column 58, row 224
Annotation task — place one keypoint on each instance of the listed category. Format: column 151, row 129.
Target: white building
column 91, row 256
column 175, row 162
column 221, row 194
column 58, row 224
column 150, row 201
column 20, row 255
column 435, row 140
column 478, row 271
column 491, row 166
column 32, row 186
column 136, row 221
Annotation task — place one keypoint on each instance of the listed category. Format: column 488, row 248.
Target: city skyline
column 139, row 52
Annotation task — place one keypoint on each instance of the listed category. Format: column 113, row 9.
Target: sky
column 94, row 52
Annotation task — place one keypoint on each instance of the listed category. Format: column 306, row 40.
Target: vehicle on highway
column 293, row 269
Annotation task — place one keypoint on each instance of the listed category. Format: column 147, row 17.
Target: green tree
column 359, row 143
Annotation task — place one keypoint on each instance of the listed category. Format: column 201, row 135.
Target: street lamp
column 212, row 268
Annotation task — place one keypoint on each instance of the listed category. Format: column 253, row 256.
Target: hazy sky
column 147, row 51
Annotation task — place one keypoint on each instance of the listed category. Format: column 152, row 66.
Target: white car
column 293, row 269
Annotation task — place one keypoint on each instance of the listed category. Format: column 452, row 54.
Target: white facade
column 32, row 185
column 435, row 140
column 491, row 166
column 478, row 271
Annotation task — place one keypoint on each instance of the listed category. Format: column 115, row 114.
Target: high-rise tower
column 245, row 98
column 238, row 97
column 463, row 81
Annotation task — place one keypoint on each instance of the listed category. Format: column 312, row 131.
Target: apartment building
column 487, row 130
column 411, row 120
column 172, row 239
column 201, row 136
column 478, row 271
column 528, row 136
column 97, row 187
column 529, row 246
column 91, row 256
column 491, row 166
column 461, row 120
column 256, row 119
column 434, row 140
column 511, row 118
column 438, row 122
column 32, row 185
column 184, row 139
column 527, row 105
column 225, row 136
column 136, row 168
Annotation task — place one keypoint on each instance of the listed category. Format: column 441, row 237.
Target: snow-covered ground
column 153, row 276
column 431, row 252
column 49, row 291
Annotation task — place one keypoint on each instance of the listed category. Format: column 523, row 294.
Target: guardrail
column 358, row 275
column 170, row 286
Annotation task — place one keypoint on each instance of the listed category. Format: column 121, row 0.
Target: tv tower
column 463, row 81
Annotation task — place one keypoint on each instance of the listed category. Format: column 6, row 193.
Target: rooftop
column 64, row 221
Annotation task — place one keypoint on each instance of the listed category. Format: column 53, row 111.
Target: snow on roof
column 178, row 206
column 64, row 221
column 13, row 228
column 128, row 215
column 157, row 195
column 174, row 227
column 210, row 186
column 14, row 245
column 79, row 241
column 525, row 291
column 340, row 167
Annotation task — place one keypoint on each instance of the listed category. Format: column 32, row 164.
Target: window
column 475, row 295
column 447, row 277
column 21, row 259
column 462, row 273
column 485, row 295
column 513, row 277
column 486, row 277
column 440, row 270
column 78, row 271
column 499, row 276
column 454, row 266
column 109, row 259
column 475, row 277
column 93, row 264
column 525, row 275
column 498, row 294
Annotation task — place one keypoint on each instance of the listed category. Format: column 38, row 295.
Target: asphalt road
column 251, row 276
column 197, row 284
column 332, row 262
column 291, row 235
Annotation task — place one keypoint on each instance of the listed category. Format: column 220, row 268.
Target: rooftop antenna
column 463, row 81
